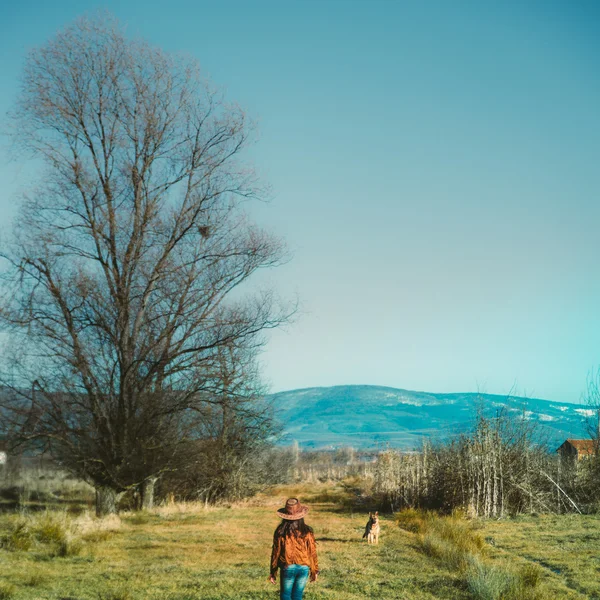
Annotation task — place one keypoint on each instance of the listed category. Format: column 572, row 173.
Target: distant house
column 577, row 449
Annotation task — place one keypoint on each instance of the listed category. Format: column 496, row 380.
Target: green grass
column 565, row 549
column 191, row 553
column 458, row 546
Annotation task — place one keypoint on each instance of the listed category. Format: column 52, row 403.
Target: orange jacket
column 294, row 549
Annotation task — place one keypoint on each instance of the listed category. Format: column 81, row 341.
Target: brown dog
column 372, row 529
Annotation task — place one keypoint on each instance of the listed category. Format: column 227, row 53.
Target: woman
column 294, row 551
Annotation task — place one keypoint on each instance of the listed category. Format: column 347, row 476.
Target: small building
column 577, row 449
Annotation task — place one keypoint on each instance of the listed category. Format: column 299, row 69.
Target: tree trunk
column 148, row 492
column 106, row 501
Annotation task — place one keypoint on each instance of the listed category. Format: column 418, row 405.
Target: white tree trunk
column 148, row 492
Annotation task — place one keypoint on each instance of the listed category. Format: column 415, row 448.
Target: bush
column 529, row 575
column 93, row 529
column 444, row 551
column 488, row 583
column 412, row 520
column 459, row 533
column 49, row 529
column 70, row 546
column 452, row 540
column 19, row 538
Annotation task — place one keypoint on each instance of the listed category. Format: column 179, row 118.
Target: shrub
column 70, row 546
column 458, row 532
column 50, row 529
column 19, row 538
column 444, row 551
column 452, row 540
column 86, row 525
column 530, row 575
column 412, row 520
column 488, row 583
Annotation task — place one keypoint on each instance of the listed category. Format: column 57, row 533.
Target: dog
column 372, row 529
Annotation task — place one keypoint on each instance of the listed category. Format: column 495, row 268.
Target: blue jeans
column 293, row 581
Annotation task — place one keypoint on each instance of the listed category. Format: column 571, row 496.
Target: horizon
column 434, row 173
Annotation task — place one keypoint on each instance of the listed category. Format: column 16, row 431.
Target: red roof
column 583, row 446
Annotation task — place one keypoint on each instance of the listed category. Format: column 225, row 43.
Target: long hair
column 296, row 527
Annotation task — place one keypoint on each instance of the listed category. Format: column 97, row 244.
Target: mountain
column 366, row 416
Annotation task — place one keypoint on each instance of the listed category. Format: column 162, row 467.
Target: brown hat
column 293, row 510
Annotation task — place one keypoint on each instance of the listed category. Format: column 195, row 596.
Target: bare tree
column 121, row 272
column 588, row 471
column 499, row 467
column 592, row 399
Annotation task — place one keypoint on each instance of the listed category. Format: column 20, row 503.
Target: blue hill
column 365, row 416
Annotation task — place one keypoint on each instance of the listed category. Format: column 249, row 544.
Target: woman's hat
column 293, row 510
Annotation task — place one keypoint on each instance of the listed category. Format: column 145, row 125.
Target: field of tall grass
column 193, row 551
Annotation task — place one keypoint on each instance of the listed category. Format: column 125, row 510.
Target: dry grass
column 191, row 552
column 50, row 529
column 34, row 487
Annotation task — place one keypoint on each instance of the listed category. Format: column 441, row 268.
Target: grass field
column 189, row 552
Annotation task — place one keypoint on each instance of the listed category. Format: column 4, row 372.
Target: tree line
column 502, row 467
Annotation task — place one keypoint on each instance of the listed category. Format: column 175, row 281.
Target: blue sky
column 435, row 171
